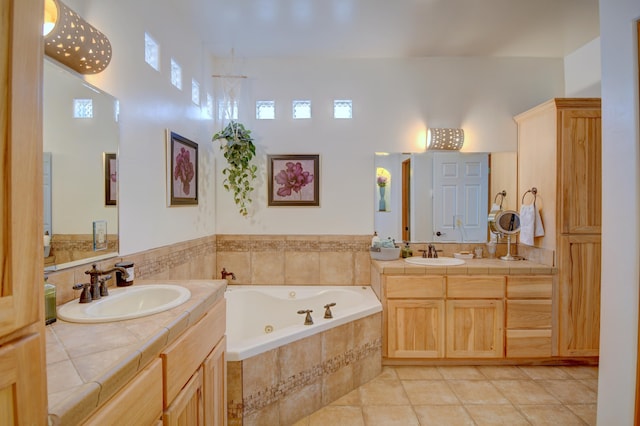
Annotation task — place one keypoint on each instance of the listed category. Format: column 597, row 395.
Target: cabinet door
column 187, row 409
column 579, row 288
column 475, row 328
column 215, row 378
column 580, row 172
column 415, row 328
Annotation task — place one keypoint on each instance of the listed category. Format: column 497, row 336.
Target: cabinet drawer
column 528, row 314
column 475, row 287
column 528, row 343
column 183, row 357
column 139, row 402
column 529, row 287
column 415, row 287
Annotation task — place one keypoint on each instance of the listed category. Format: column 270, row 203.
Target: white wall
column 620, row 212
column 582, row 73
column 394, row 101
column 149, row 105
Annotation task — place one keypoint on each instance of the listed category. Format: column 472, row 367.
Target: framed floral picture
column 182, row 170
column 294, row 180
column 110, row 178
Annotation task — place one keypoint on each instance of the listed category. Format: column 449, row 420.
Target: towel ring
column 500, row 194
column 534, row 192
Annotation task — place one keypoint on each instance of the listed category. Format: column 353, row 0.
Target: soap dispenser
column 375, row 241
column 49, row 302
column 406, row 250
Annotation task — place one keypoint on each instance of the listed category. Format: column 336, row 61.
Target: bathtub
column 261, row 318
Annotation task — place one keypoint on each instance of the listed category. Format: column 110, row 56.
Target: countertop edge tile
column 77, row 406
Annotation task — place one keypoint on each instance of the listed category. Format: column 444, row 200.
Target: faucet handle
column 307, row 320
column 85, row 296
column 424, row 253
column 104, row 291
column 327, row 311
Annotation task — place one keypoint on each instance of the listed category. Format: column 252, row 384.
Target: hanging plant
column 239, row 174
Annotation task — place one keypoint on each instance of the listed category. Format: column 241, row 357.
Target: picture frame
column 182, row 170
column 293, row 180
column 110, row 167
column 99, row 235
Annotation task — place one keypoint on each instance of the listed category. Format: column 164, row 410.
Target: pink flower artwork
column 184, row 170
column 292, row 179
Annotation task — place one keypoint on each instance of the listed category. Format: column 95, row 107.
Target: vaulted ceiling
column 392, row 28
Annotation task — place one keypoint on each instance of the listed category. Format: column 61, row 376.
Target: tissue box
column 383, row 253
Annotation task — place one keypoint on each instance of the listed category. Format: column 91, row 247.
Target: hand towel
column 495, row 208
column 527, row 224
column 538, row 227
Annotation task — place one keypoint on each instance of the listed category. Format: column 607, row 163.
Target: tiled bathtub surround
column 295, row 259
column 305, row 375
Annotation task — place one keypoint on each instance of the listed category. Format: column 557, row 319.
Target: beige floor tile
column 590, row 383
column 586, row 412
column 389, row 373
column 493, row 415
column 461, row 373
column 388, row 415
column 352, row 398
column 570, row 391
column 418, row 373
column 477, row 392
column 302, row 422
column 581, row 371
column 387, row 392
column 337, row 416
column 550, row 415
column 429, row 392
column 544, row 372
column 495, row 372
column 524, row 392
column 449, row 415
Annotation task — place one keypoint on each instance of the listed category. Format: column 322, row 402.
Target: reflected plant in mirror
column 79, row 146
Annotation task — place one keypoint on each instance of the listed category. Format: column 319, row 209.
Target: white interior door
column 459, row 206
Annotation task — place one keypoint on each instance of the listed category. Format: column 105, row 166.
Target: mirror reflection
column 439, row 196
column 80, row 141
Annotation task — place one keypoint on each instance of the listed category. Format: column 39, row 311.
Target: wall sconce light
column 445, row 139
column 72, row 41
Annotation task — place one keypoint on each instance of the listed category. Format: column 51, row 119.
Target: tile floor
column 460, row 395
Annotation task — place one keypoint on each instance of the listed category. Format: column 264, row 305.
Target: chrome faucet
column 97, row 288
column 225, row 274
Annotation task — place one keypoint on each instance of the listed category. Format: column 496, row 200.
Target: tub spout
column 307, row 319
column 225, row 274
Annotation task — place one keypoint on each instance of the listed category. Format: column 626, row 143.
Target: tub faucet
column 307, row 319
column 327, row 310
column 225, row 274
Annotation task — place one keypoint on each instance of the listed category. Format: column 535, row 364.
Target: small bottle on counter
column 50, row 315
column 375, row 241
column 121, row 281
column 406, row 250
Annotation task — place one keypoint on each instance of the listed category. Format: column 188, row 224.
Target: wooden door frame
column 637, row 407
column 406, row 199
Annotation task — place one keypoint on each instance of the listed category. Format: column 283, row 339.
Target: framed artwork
column 110, row 179
column 182, row 170
column 294, row 180
column 99, row 235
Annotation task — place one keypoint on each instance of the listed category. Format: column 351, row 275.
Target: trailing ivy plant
column 239, row 174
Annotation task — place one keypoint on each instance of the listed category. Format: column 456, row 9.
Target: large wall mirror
column 440, row 196
column 80, row 142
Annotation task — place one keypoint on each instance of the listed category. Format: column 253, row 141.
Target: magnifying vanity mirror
column 439, row 196
column 80, row 142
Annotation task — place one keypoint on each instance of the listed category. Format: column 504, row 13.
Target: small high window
column 209, row 106
column 265, row 110
column 151, row 52
column 83, row 108
column 302, row 109
column 342, row 108
column 176, row 74
column 195, row 92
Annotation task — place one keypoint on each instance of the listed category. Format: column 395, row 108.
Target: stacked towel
column 530, row 224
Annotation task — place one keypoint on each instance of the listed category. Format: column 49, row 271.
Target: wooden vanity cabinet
column 529, row 316
column 415, row 316
column 194, row 373
column 475, row 317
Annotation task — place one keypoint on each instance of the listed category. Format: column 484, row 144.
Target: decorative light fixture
column 72, row 41
column 445, row 139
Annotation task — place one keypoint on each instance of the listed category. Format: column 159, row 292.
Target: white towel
column 527, row 224
column 495, row 208
column 530, row 224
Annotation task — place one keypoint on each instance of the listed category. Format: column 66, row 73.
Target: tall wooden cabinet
column 559, row 153
column 23, row 392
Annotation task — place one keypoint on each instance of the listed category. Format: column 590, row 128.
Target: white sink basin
column 126, row 303
column 434, row 261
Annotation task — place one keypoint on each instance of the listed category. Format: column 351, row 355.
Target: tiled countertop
column 88, row 363
column 470, row 267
